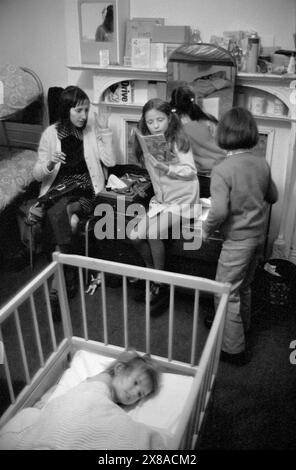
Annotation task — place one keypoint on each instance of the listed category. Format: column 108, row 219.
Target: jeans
column 237, row 264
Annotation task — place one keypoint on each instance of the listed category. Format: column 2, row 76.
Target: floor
column 253, row 406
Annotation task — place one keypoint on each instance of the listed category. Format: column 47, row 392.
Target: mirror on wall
column 98, row 28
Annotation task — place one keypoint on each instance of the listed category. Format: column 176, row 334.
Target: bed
column 61, row 359
column 22, row 114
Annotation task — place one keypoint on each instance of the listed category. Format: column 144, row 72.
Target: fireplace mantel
column 281, row 131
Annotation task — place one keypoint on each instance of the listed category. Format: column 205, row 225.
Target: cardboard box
column 171, row 34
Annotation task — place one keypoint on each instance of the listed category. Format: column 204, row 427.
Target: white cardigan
column 97, row 146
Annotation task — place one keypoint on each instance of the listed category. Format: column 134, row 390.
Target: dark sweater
column 240, row 188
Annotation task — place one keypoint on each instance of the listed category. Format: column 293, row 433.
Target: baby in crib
column 89, row 416
column 130, row 378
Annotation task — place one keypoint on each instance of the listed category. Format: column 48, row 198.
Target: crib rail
column 50, row 366
column 203, row 368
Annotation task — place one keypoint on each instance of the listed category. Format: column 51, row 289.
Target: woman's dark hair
column 174, row 134
column 108, row 20
column 70, row 97
column 183, row 101
column 237, row 129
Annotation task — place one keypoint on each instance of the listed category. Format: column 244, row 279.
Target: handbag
column 55, row 193
column 37, row 210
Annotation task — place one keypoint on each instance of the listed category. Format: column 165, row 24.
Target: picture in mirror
column 97, row 21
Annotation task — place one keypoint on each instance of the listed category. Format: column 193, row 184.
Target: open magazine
column 157, row 146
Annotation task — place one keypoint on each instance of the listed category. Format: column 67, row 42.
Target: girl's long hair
column 174, row 134
column 183, row 101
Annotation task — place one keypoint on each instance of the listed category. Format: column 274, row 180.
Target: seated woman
column 200, row 128
column 71, row 150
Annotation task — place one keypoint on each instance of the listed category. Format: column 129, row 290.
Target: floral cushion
column 20, row 89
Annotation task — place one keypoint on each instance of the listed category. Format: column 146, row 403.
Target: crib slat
column 104, row 308
column 171, row 323
column 7, row 371
column 22, row 346
column 194, row 327
column 147, row 313
column 125, row 316
column 49, row 313
column 37, row 332
column 83, row 307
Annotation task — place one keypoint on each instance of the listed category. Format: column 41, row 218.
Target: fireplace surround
column 277, row 124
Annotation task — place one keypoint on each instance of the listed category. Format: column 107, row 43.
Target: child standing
column 241, row 187
column 175, row 186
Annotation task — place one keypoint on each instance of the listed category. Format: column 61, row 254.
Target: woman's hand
column 57, row 157
column 102, row 116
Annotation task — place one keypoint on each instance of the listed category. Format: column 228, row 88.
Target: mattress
column 160, row 412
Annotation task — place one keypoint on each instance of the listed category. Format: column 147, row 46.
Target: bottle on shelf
column 252, row 53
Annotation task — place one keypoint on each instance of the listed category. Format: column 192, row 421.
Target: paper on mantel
column 115, row 183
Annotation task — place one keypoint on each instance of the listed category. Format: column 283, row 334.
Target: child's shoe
column 239, row 359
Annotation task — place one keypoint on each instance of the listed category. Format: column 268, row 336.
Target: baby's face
column 130, row 387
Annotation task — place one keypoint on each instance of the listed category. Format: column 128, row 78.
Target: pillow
column 161, row 411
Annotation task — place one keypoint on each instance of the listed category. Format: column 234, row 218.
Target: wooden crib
column 29, row 313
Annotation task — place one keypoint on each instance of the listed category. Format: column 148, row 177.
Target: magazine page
column 157, row 146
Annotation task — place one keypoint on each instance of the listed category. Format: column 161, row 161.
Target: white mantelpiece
column 281, row 131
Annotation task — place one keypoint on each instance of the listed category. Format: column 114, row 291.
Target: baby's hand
column 102, row 116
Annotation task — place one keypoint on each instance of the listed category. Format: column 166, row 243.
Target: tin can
column 253, row 53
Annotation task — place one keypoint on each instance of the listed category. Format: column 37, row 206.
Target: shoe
column 239, row 359
column 208, row 321
column 55, row 305
column 158, row 292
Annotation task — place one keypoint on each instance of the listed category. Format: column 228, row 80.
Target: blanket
column 84, row 418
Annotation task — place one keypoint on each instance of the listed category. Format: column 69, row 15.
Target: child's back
column 245, row 177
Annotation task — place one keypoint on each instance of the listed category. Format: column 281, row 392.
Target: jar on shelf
column 195, row 36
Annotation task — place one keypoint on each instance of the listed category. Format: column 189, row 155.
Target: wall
column 38, row 34
column 32, row 34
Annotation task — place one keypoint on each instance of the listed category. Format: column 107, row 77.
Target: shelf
column 273, row 117
column 127, row 72
column 121, row 105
